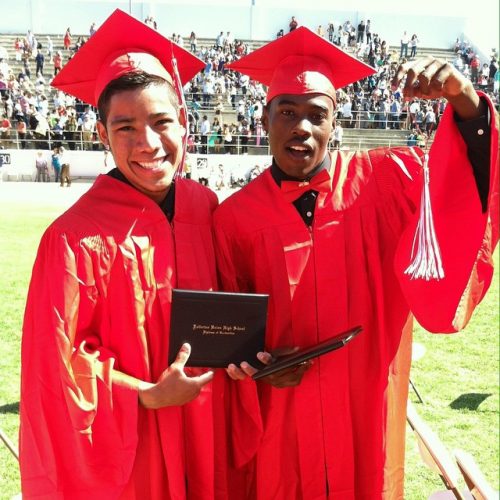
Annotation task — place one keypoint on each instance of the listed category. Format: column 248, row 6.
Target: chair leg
column 10, row 445
column 416, row 392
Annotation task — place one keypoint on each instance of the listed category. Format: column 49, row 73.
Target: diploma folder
column 221, row 327
column 302, row 355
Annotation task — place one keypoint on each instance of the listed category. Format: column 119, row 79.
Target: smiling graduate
column 102, row 414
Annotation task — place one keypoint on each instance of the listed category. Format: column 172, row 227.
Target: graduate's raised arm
column 431, row 78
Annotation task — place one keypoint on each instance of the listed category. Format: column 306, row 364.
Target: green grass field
column 458, row 377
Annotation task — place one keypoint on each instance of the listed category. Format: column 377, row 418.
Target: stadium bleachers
column 353, row 138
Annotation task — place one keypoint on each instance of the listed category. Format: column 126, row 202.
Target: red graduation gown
column 342, row 429
column 99, row 299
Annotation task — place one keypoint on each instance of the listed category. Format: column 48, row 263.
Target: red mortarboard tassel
column 180, row 92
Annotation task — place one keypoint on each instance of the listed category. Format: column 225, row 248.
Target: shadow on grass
column 10, row 408
column 470, row 401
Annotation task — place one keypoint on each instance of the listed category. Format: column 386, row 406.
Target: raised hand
column 430, row 78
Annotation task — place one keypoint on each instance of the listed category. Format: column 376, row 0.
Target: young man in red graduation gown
column 103, row 416
column 329, row 236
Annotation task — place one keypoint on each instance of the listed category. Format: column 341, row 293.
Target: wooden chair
column 436, row 457
column 474, row 479
column 417, row 352
column 9, row 444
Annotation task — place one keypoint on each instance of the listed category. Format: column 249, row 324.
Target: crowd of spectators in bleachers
column 225, row 108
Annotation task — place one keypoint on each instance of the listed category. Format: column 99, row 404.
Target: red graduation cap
column 302, row 62
column 123, row 45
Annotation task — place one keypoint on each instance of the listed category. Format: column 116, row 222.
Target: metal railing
column 75, row 141
column 358, row 133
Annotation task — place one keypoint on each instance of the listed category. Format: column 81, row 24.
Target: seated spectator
column 458, row 62
column 411, row 140
column 421, row 139
column 22, row 131
column 241, row 48
column 484, row 77
column 191, row 146
column 5, row 130
column 58, row 132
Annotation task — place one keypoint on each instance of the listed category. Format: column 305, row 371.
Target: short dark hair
column 133, row 81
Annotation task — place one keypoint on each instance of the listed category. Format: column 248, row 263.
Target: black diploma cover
column 221, row 327
column 296, row 358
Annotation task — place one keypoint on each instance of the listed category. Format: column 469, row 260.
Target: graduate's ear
column 265, row 118
column 103, row 133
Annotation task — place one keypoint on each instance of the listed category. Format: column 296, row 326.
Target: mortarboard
column 302, row 62
column 123, row 45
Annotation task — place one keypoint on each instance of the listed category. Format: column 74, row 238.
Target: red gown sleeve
column 78, row 430
column 467, row 236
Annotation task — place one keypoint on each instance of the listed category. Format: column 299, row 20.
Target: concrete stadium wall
column 258, row 22
column 19, row 164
